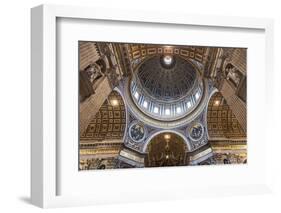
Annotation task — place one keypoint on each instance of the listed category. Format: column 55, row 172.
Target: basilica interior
column 151, row 105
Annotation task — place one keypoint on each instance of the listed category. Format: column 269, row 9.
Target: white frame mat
column 47, row 165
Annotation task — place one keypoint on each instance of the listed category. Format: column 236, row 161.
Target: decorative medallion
column 196, row 131
column 137, row 132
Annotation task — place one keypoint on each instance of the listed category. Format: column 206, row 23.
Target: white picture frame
column 44, row 153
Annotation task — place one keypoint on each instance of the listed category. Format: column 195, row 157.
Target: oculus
column 167, row 61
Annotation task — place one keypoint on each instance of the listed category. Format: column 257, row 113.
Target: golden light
column 167, row 136
column 217, row 103
column 114, row 102
column 167, row 47
column 168, row 59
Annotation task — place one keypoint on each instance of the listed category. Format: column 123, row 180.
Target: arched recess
column 101, row 142
column 221, row 121
column 110, row 121
column 188, row 145
column 166, row 149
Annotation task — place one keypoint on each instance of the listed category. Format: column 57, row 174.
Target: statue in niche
column 233, row 75
column 89, row 76
column 113, row 76
column 93, row 72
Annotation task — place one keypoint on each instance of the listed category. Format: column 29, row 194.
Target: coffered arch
column 166, row 149
column 175, row 132
column 221, row 122
column 110, row 121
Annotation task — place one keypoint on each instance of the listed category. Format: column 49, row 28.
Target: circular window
column 167, row 61
column 137, row 132
column 196, row 132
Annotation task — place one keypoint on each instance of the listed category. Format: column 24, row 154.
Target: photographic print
column 155, row 105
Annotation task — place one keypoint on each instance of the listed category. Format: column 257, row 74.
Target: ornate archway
column 166, row 149
column 221, row 121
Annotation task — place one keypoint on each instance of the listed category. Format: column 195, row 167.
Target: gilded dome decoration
column 166, row 87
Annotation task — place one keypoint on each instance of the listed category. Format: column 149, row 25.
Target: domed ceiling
column 166, row 87
column 167, row 78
